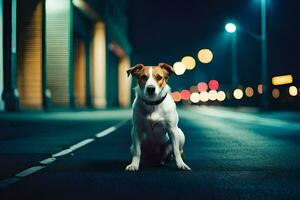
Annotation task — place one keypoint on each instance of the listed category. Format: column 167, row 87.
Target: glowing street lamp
column 230, row 27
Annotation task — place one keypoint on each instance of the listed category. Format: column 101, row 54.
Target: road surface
column 82, row 155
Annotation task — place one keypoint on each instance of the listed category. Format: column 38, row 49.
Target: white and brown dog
column 155, row 120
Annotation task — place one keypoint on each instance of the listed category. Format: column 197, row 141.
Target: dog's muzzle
column 150, row 90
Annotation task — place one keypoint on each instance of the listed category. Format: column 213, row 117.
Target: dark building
column 63, row 54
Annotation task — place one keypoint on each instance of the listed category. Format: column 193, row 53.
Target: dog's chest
column 155, row 117
column 156, row 122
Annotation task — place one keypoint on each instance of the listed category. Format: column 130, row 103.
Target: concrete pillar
column 98, row 66
column 10, row 93
column 1, row 54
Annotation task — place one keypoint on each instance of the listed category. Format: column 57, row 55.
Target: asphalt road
column 233, row 155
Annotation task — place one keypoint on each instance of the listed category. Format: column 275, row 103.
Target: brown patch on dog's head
column 160, row 74
column 134, row 71
column 167, row 68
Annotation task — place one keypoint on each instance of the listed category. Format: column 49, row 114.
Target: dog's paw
column 132, row 167
column 183, row 166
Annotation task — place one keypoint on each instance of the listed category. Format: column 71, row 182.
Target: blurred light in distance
column 204, row 96
column 185, row 94
column 213, row 84
column 249, row 92
column 205, row 56
column 275, row 93
column 230, row 27
column 260, row 88
column 193, row 89
column 282, row 80
column 179, row 68
column 293, row 91
column 213, row 95
column 176, row 96
column 238, row 93
column 221, row 96
column 202, row 86
column 189, row 62
column 195, row 97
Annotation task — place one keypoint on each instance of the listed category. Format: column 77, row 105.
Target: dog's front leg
column 136, row 151
column 177, row 139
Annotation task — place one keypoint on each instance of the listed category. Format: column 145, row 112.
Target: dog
column 155, row 120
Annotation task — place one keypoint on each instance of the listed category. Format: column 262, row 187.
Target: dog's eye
column 158, row 77
column 144, row 77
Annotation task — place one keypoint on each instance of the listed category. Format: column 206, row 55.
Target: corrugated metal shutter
column 58, row 50
column 29, row 73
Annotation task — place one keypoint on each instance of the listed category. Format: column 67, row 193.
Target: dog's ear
column 134, row 70
column 167, row 67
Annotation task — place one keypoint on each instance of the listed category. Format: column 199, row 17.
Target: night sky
column 165, row 31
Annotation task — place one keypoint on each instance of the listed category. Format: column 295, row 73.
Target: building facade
column 63, row 54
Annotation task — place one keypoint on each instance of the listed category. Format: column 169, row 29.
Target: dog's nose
column 150, row 90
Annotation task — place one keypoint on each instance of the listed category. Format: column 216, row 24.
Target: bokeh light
column 204, row 96
column 249, row 92
column 202, row 86
column 185, row 94
column 260, row 89
column 176, row 96
column 189, row 62
column 213, row 95
column 179, row 68
column 275, row 93
column 221, row 96
column 195, row 97
column 213, row 84
column 238, row 93
column 230, row 27
column 282, row 80
column 293, row 91
column 205, row 56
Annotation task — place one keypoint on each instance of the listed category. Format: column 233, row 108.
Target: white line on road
column 9, row 181
column 62, row 153
column 73, row 147
column 29, row 171
column 106, row 132
column 48, row 161
column 81, row 144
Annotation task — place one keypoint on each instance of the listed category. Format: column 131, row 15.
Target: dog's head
column 151, row 79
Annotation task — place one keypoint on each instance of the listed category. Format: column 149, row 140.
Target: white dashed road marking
column 48, row 161
column 29, row 171
column 9, row 181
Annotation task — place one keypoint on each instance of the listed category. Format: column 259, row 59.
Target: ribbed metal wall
column 58, row 50
column 29, row 72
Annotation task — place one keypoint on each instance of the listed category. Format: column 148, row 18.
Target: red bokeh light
column 185, row 94
column 176, row 96
column 202, row 87
column 213, row 84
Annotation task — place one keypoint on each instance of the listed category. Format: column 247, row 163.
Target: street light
column 231, row 28
column 264, row 64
